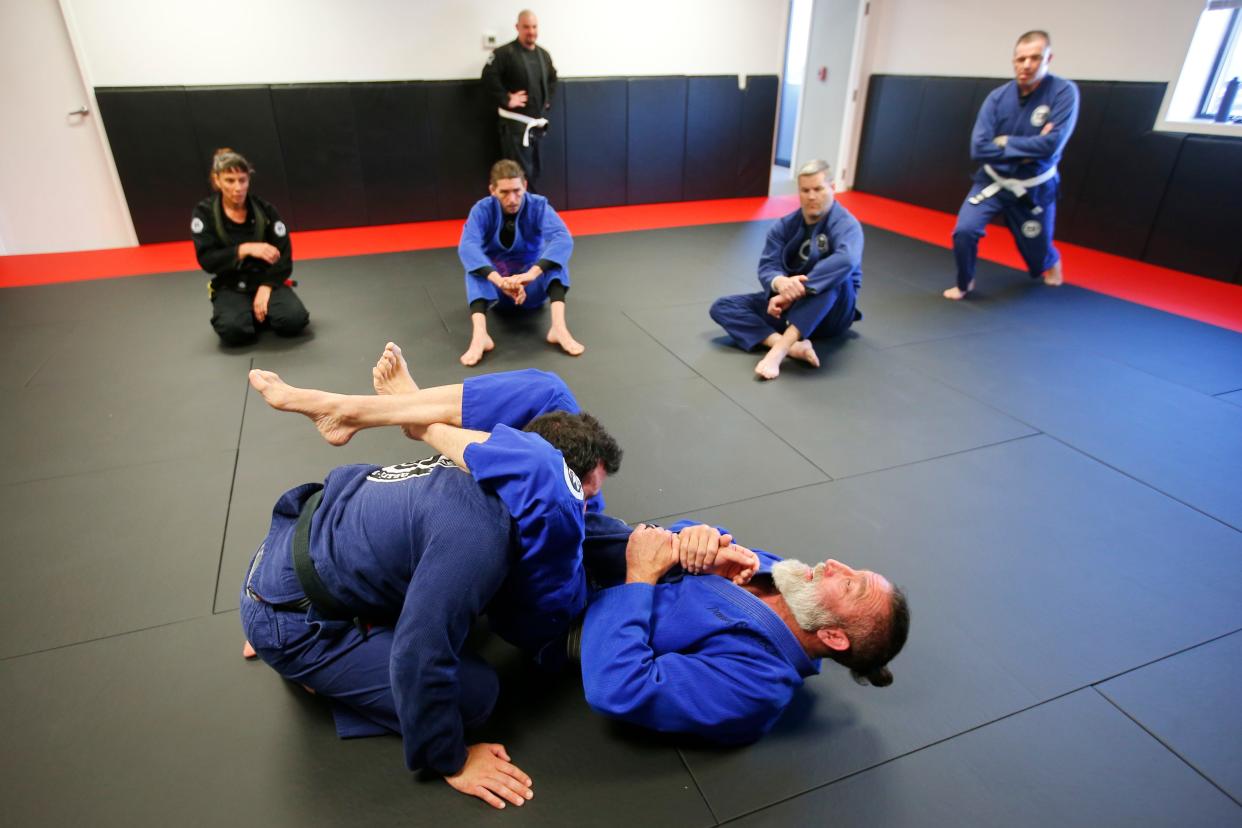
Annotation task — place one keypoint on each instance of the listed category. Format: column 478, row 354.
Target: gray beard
column 790, row 579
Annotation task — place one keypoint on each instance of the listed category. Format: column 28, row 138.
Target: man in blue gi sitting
column 721, row 657
column 1019, row 136
column 515, row 250
column 367, row 585
column 811, row 272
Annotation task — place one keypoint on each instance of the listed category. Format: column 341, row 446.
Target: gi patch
column 1040, row 116
column 196, row 225
column 821, row 243
column 491, row 58
column 404, row 471
column 572, row 481
column 1032, row 229
column 804, row 252
column 279, row 229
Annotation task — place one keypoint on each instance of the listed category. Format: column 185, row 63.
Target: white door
column 828, row 105
column 58, row 186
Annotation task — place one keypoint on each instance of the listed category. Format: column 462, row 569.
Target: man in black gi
column 520, row 81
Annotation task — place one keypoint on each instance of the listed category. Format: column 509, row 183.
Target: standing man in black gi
column 520, row 81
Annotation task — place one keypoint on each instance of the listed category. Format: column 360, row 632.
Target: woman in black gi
column 240, row 239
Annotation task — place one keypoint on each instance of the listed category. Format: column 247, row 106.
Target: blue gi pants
column 1032, row 231
column 744, row 316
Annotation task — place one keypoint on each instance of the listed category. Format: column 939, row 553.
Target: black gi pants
column 511, row 133
column 232, row 315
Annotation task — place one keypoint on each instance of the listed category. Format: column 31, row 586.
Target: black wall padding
column 654, row 164
column 1080, row 154
column 1121, row 194
column 939, row 160
column 754, row 157
column 595, row 142
column 713, row 122
column 394, row 149
column 552, row 180
column 317, row 134
column 241, row 117
column 152, row 141
column 464, row 144
column 1200, row 219
column 888, row 137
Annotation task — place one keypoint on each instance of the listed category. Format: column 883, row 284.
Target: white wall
column 176, row 42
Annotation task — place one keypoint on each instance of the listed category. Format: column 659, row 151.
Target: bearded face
column 799, row 586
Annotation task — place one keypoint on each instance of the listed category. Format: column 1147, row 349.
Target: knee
column 234, row 331
column 290, row 323
column 723, row 309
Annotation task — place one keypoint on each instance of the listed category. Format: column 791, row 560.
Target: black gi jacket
column 216, row 239
column 505, row 72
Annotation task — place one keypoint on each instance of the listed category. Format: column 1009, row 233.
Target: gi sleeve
column 546, row 585
column 214, row 253
column 493, row 83
column 558, row 244
column 981, row 146
column 771, row 260
column 513, row 398
column 727, row 690
column 277, row 236
column 846, row 236
column 474, row 235
column 1063, row 117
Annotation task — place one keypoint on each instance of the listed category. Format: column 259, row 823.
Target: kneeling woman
column 241, row 241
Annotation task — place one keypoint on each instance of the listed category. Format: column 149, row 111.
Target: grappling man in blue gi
column 1019, row 136
column 811, row 272
column 515, row 250
column 366, row 586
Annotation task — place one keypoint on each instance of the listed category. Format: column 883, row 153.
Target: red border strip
column 1195, row 297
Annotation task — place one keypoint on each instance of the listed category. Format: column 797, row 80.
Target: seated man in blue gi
column 811, row 272
column 1019, row 136
column 721, row 657
column 366, row 586
column 515, row 250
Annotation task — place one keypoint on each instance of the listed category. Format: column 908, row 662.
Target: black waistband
column 323, row 601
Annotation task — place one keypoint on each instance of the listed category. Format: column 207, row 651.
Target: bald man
column 520, row 81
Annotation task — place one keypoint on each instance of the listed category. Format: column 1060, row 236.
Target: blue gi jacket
column 835, row 254
column 698, row 655
column 1027, row 153
column 540, row 234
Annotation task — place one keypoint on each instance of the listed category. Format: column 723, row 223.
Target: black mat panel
column 464, row 144
column 940, row 165
column 1081, row 152
column 25, row 348
column 897, row 311
column 1072, row 762
column 713, row 118
column 394, row 148
column 107, row 552
column 884, row 153
column 242, row 117
column 553, row 181
column 757, row 134
column 595, row 142
column 1201, row 211
column 656, row 116
column 320, row 143
column 1008, row 605
column 180, row 699
column 1189, row 702
column 1146, row 427
column 153, row 143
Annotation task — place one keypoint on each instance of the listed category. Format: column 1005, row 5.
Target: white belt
column 1014, row 185
column 531, row 123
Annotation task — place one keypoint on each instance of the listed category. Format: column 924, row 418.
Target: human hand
column 650, row 552
column 489, row 775
column 258, row 250
column 790, row 288
column 260, row 301
column 737, row 563
column 1001, row 140
column 517, row 99
column 698, row 547
column 1048, row 127
column 529, row 276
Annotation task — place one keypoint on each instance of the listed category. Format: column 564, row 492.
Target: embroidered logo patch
column 279, row 229
column 196, row 225
column 1040, row 115
column 1031, row 229
column 572, row 481
column 491, row 58
column 404, row 471
column 821, row 242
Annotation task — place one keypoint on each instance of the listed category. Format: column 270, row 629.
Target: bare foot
column 1052, row 276
column 566, row 341
column 320, row 406
column 955, row 293
column 769, row 367
column 391, row 374
column 805, row 351
column 478, row 347
column 248, row 651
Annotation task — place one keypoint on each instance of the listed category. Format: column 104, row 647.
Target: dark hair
column 1034, row 34
column 582, row 440
column 504, row 168
column 873, row 645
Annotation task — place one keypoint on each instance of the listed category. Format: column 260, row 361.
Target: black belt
column 323, row 601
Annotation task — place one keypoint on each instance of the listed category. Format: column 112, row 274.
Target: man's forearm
column 452, row 441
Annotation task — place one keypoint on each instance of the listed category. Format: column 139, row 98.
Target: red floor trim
column 1195, row 297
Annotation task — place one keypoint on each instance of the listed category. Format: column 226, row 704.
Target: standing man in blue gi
column 520, row 81
column 515, row 250
column 721, row 656
column 1019, row 136
column 366, row 586
column 811, row 272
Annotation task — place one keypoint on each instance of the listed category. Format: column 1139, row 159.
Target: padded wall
column 1168, row 198
column 340, row 155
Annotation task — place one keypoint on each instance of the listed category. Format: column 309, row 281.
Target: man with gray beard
column 721, row 657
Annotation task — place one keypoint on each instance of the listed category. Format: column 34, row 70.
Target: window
column 1206, row 97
